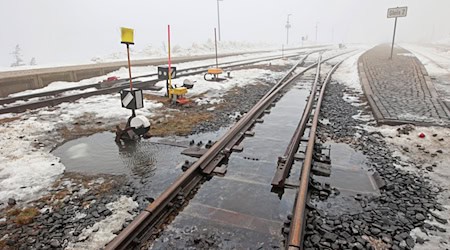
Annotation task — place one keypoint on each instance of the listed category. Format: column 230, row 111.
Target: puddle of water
column 152, row 165
column 350, row 175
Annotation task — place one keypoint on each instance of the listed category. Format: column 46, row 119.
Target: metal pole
column 133, row 114
column 287, row 30
column 393, row 38
column 288, row 26
column 169, row 71
column 215, row 40
column 129, row 66
column 218, row 17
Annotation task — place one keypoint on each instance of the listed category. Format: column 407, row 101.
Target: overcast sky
column 72, row 31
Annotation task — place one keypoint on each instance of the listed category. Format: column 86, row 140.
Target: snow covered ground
column 211, row 92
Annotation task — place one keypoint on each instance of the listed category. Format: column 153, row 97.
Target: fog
column 63, row 31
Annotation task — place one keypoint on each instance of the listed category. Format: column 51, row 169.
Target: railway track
column 174, row 197
column 56, row 97
column 432, row 60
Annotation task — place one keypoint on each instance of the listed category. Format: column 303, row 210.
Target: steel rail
column 57, row 100
column 285, row 162
column 295, row 240
column 163, row 204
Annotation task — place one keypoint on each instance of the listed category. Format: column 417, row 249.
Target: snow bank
column 102, row 232
column 347, row 73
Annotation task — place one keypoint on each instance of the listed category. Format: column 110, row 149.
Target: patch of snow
column 210, row 92
column 361, row 117
column 102, row 232
column 347, row 73
column 25, row 171
column 103, row 107
column 406, row 54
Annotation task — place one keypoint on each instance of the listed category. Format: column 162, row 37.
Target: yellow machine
column 214, row 73
column 177, row 94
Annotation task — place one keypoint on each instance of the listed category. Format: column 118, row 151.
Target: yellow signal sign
column 127, row 35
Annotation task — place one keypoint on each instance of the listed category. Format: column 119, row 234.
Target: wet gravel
column 405, row 202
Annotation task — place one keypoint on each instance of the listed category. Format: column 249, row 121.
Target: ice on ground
column 436, row 142
column 102, row 232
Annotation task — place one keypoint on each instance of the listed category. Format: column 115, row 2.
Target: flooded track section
column 239, row 206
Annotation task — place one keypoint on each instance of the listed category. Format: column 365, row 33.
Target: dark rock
column 330, row 236
column 420, row 240
column 375, row 231
column 55, row 243
column 12, row 202
column 107, row 212
column 315, row 239
column 410, row 242
column 420, row 217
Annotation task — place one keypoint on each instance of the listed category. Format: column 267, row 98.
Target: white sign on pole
column 397, row 12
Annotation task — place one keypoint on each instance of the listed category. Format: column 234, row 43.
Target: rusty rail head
column 295, row 240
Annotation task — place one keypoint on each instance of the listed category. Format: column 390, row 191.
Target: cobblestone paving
column 400, row 90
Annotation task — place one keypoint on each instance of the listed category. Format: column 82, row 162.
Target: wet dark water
column 152, row 165
column 240, row 208
column 350, row 175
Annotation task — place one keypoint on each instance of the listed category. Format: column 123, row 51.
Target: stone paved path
column 400, row 90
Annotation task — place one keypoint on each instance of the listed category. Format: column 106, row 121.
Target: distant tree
column 17, row 54
column 33, row 61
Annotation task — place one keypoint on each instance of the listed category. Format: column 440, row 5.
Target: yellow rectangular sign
column 127, row 35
